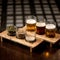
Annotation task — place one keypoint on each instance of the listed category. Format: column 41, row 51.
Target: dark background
column 58, row 3
column 13, row 12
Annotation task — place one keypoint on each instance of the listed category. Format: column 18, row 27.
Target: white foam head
column 42, row 24
column 30, row 21
column 50, row 26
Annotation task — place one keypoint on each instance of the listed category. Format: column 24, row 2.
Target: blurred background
column 13, row 12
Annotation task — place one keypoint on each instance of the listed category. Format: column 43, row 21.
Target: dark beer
column 50, row 30
column 40, row 28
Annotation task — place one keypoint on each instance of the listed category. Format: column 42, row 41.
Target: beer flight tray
column 39, row 39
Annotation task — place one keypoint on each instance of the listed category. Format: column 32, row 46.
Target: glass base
column 31, row 41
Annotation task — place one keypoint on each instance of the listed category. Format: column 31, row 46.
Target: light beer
column 50, row 30
column 40, row 28
column 31, row 25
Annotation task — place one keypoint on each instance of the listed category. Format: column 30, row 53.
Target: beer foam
column 50, row 26
column 30, row 21
column 42, row 24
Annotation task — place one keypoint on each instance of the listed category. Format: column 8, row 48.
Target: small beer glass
column 40, row 26
column 50, row 29
column 20, row 33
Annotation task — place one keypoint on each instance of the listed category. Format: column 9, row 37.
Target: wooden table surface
column 13, row 51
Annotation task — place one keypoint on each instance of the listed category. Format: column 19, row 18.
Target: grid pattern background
column 13, row 12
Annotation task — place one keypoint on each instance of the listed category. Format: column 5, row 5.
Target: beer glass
column 11, row 30
column 50, row 29
column 20, row 33
column 30, row 28
column 40, row 27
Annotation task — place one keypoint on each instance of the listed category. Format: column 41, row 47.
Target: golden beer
column 40, row 28
column 50, row 30
column 31, row 25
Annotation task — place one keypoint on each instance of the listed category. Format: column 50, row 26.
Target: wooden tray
column 21, row 41
column 51, row 40
column 39, row 39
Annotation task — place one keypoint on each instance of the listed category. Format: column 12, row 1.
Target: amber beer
column 30, row 30
column 50, row 30
column 40, row 28
column 31, row 25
